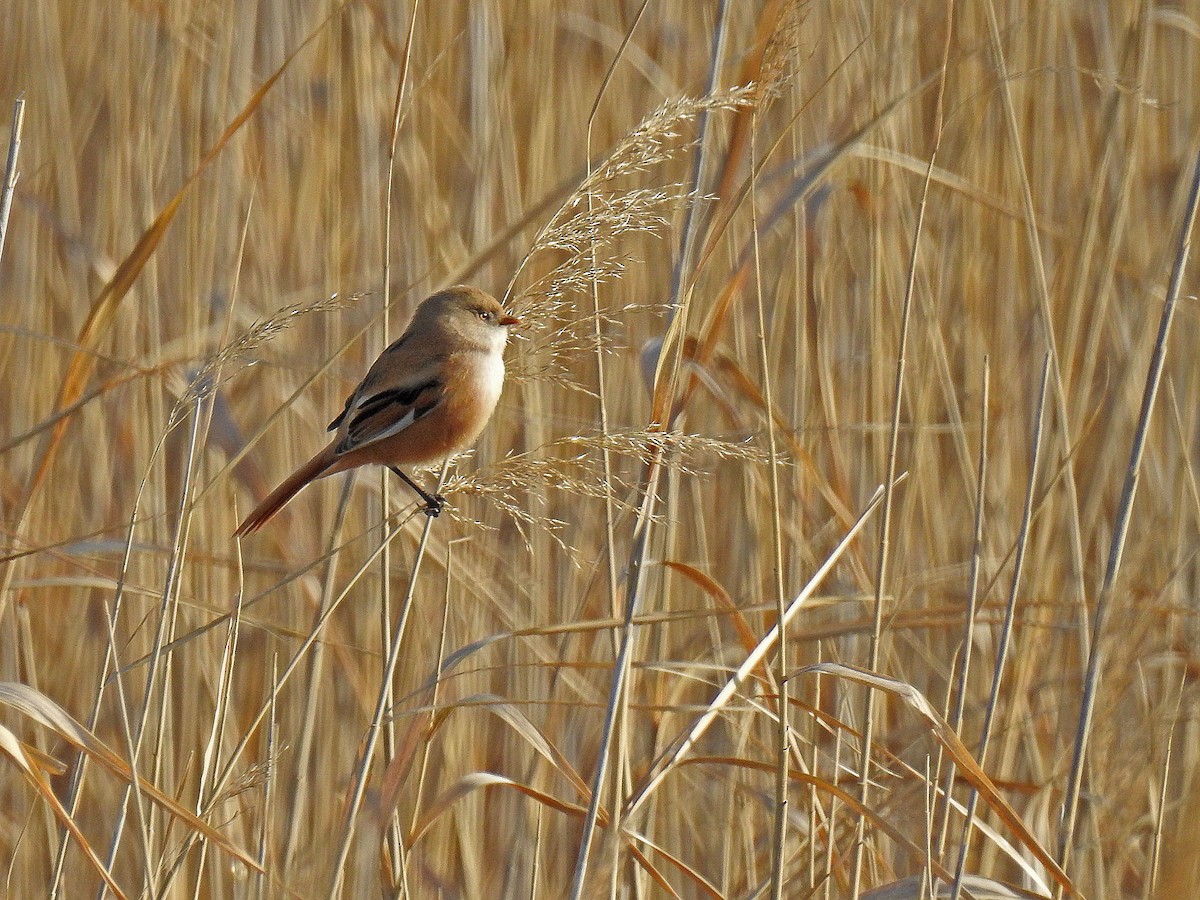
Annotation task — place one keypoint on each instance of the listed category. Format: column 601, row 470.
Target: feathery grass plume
column 587, row 227
column 252, row 778
column 258, row 334
column 651, row 142
column 506, row 486
column 611, row 216
column 556, row 332
column 779, row 53
column 564, row 337
column 573, row 465
column 644, row 446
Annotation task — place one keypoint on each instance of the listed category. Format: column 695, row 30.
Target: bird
column 428, row 395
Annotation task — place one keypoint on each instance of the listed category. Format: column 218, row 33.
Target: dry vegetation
column 744, row 186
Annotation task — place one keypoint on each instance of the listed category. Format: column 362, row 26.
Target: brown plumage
column 427, row 395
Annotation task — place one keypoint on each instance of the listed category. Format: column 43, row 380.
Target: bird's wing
column 391, row 353
column 375, row 414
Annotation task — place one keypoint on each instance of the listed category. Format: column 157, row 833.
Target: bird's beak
column 509, row 320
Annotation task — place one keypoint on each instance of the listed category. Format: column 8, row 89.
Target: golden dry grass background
column 1064, row 135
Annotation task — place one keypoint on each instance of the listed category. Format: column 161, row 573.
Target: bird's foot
column 434, row 503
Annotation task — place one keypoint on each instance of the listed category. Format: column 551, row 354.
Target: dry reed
column 706, row 398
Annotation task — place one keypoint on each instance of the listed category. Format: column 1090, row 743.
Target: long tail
column 292, row 485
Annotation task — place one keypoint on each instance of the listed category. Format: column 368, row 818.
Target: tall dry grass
column 768, row 254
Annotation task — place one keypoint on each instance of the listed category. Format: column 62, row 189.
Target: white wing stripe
column 398, row 426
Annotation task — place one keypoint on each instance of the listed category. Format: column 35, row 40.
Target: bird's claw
column 434, row 505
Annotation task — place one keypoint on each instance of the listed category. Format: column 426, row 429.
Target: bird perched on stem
column 428, row 395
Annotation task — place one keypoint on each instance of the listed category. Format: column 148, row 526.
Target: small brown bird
column 428, row 395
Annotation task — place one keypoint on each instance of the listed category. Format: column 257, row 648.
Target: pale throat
column 489, row 377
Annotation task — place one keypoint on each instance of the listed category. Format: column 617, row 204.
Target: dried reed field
column 836, row 532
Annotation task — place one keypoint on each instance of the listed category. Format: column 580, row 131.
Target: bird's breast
column 473, row 395
column 490, row 380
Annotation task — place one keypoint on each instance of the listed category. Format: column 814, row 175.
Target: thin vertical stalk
column 1156, row 841
column 10, row 168
column 216, row 734
column 79, row 776
column 1010, row 614
column 885, row 525
column 435, row 690
column 1116, row 547
column 272, row 742
column 593, row 811
column 962, row 677
column 394, row 849
column 783, row 728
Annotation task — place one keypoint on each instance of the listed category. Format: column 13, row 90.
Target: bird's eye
column 485, row 315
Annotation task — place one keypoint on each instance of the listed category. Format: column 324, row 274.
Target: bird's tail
column 292, row 485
